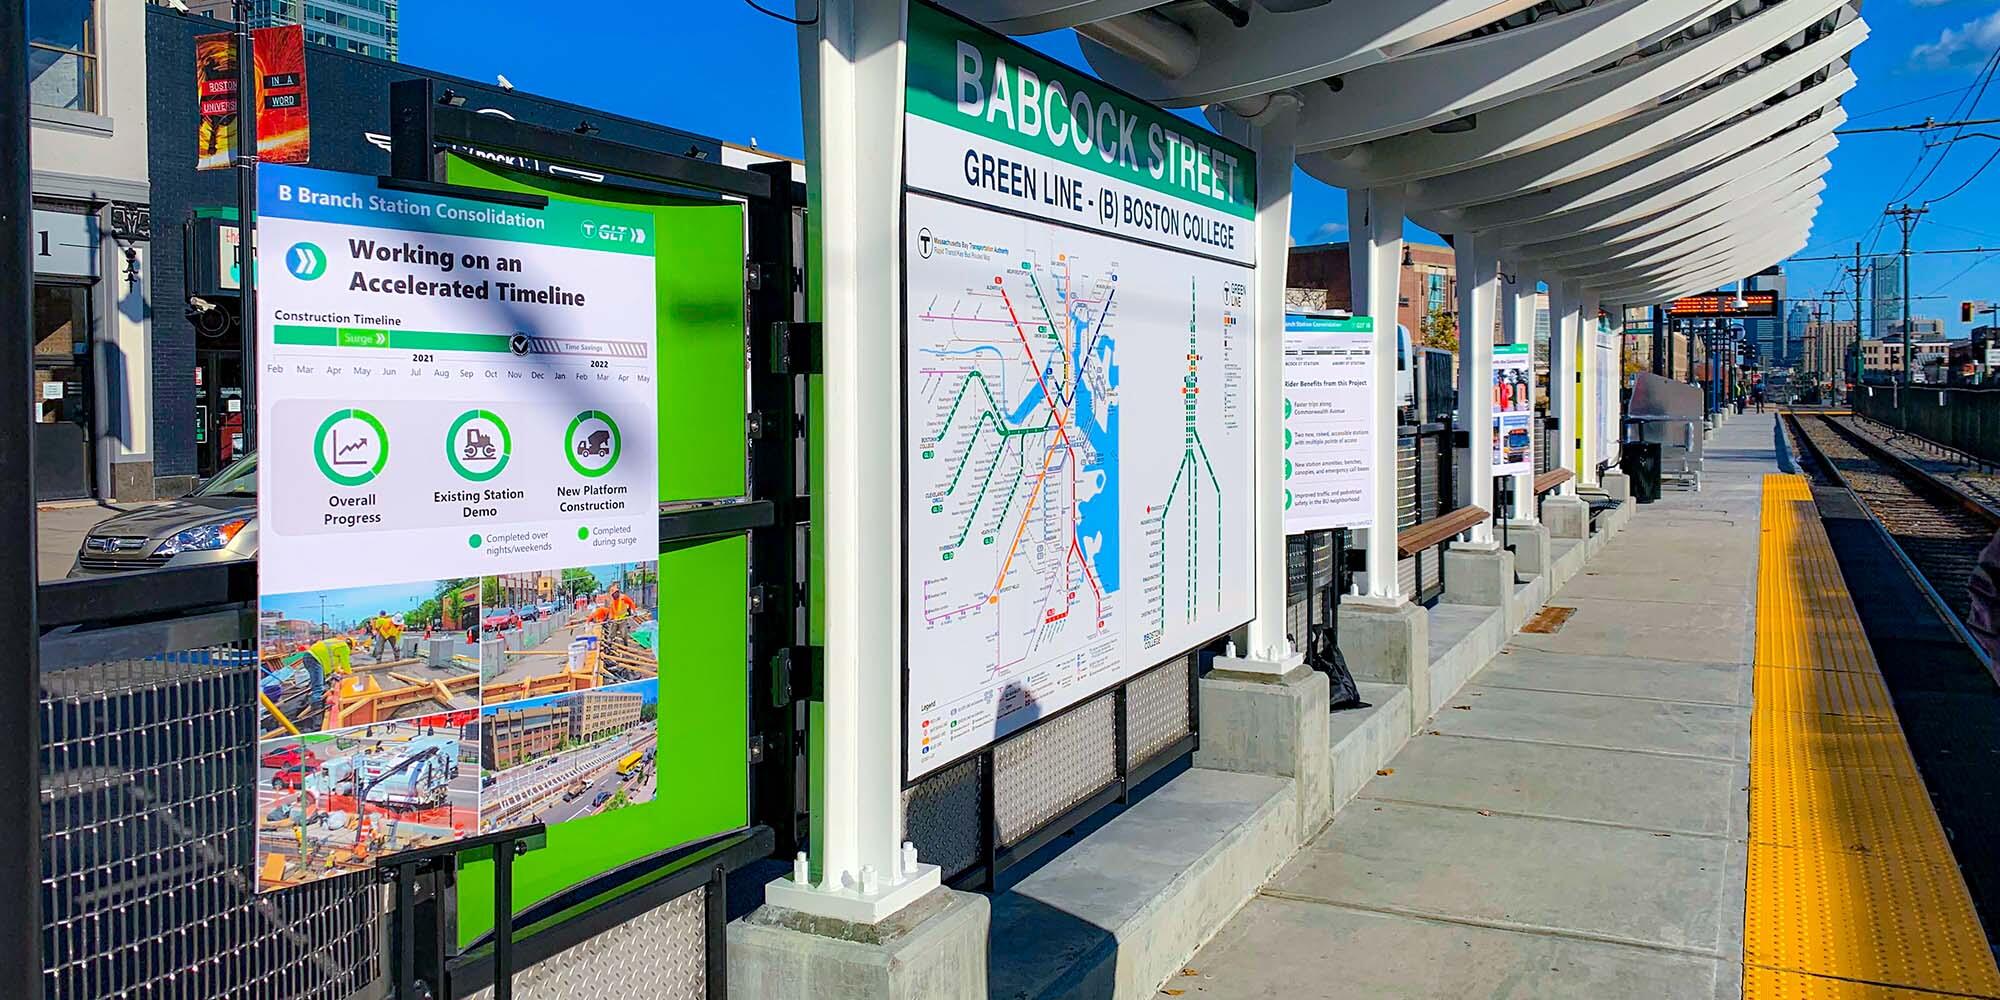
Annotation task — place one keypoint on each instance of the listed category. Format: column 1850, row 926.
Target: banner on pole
column 1329, row 422
column 1513, row 409
column 284, row 133
column 458, row 518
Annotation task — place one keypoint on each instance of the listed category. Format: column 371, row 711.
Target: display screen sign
column 1329, row 422
column 1513, row 409
column 458, row 518
column 1722, row 304
column 1078, row 429
column 283, row 119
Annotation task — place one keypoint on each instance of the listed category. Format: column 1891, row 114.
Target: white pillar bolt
column 1270, row 133
column 851, row 78
column 1478, row 293
column 1564, row 326
column 1375, row 262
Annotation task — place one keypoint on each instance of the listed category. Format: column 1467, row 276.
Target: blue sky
column 344, row 606
column 733, row 73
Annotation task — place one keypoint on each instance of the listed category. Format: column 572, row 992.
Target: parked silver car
column 216, row 523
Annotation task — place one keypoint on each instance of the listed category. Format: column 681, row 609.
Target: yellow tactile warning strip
column 1853, row 892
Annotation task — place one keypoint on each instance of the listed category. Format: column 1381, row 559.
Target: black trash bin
column 1641, row 464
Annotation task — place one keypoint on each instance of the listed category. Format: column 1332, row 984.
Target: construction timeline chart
column 1513, row 409
column 458, row 514
column 1079, row 325
column 1329, row 438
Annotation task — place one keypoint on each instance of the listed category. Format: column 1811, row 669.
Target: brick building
column 596, row 714
column 1318, row 277
column 513, row 735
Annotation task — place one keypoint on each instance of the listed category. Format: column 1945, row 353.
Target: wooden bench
column 1551, row 479
column 1418, row 537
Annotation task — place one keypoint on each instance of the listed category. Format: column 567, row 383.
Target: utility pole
column 1906, row 220
column 20, row 643
column 1857, row 272
column 246, row 210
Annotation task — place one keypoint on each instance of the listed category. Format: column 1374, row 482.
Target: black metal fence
column 1428, row 487
column 989, row 812
column 1964, row 419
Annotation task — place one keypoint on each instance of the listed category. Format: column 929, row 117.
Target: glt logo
column 306, row 261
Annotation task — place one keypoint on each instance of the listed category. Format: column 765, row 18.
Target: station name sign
column 995, row 124
column 1753, row 304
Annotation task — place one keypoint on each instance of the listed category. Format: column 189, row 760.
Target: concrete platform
column 1118, row 913
column 1572, row 822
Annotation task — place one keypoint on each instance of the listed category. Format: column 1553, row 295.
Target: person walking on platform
column 1984, row 620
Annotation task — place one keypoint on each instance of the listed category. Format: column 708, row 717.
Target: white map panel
column 1079, row 457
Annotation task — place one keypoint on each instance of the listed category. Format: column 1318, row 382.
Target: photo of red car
column 292, row 755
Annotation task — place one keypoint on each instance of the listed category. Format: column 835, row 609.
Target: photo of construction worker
column 335, row 659
column 571, row 755
column 559, row 631
column 332, row 803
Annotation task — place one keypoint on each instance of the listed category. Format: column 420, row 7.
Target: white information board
column 458, row 515
column 1329, row 423
column 1513, row 409
column 1078, row 414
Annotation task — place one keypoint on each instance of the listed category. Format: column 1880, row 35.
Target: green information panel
column 702, row 774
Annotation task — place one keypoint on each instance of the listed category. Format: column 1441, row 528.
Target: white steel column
column 1592, row 447
column 851, row 61
column 1478, row 294
column 1375, row 262
column 1564, row 327
column 1518, row 311
column 1271, row 134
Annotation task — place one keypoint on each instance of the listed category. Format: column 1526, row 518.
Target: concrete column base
column 1530, row 540
column 1617, row 485
column 1261, row 723
column 933, row 948
column 1478, row 575
column 1567, row 517
column 1389, row 641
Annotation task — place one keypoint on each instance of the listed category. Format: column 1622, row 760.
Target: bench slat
column 1418, row 537
column 1551, row 479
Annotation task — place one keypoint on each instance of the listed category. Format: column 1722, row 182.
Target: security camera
column 178, row 6
column 201, row 305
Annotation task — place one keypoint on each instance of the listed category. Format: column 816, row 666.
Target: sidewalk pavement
column 1573, row 822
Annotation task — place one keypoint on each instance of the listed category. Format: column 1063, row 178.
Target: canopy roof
column 1644, row 148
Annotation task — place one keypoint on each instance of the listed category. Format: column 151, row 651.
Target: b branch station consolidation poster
column 1329, row 422
column 1513, row 409
column 458, row 514
column 1079, row 331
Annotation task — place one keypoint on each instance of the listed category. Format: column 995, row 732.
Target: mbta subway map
column 1078, row 467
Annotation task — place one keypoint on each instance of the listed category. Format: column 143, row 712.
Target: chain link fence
column 148, row 798
column 979, row 814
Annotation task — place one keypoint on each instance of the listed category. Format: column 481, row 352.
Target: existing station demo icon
column 351, row 447
column 593, row 443
column 478, row 445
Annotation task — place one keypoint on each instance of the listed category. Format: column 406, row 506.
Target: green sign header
column 967, row 78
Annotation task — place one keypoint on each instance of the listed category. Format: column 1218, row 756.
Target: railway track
column 1939, row 532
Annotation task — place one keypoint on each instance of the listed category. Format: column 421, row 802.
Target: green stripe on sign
column 969, row 79
column 398, row 340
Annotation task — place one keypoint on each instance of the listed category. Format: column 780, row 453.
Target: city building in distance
column 364, row 27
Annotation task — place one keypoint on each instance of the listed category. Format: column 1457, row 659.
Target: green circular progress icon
column 467, row 441
column 351, row 447
column 598, row 445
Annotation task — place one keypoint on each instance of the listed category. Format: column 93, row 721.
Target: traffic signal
column 1965, row 312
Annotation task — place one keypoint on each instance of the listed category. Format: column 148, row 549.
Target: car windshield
column 237, row 480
